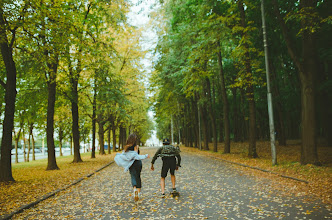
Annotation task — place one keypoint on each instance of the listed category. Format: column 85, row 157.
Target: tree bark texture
column 94, row 109
column 124, row 140
column 29, row 147
column 308, row 78
column 16, row 139
column 32, row 140
column 75, row 117
column 71, row 144
column 280, row 125
column 244, row 122
column 109, row 140
column 211, row 114
column 249, row 90
column 204, row 123
column 10, row 97
column 16, row 148
column 227, row 147
column 51, row 84
column 60, row 140
column 24, row 145
column 33, row 146
column 101, row 135
column 195, row 122
column 114, row 135
column 235, row 116
column 120, row 137
column 308, row 71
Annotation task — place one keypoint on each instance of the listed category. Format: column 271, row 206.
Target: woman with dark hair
column 131, row 160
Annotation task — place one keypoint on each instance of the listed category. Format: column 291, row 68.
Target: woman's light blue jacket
column 126, row 159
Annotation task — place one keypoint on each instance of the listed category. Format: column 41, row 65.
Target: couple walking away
column 130, row 159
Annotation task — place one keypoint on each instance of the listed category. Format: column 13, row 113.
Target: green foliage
column 92, row 43
column 187, row 55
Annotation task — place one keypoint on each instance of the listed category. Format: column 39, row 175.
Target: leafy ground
column 209, row 189
column 319, row 177
column 33, row 181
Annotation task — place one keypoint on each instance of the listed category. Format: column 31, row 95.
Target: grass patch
column 288, row 157
column 33, row 181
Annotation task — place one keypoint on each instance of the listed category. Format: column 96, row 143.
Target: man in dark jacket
column 171, row 158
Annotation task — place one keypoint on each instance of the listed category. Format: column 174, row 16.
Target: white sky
column 139, row 16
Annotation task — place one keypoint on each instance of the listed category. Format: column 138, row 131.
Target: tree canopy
column 210, row 74
column 76, row 63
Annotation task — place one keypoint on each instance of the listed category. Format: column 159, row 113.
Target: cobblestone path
column 210, row 189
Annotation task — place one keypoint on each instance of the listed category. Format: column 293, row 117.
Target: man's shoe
column 163, row 195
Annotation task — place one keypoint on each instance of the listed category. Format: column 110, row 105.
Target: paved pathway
column 210, row 189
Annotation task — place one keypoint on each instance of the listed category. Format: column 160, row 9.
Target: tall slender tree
column 6, row 45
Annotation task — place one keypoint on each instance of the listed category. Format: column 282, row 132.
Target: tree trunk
column 211, row 115
column 308, row 71
column 94, row 108
column 75, row 117
column 10, row 97
column 114, row 136
column 227, row 148
column 221, row 128
column 250, row 90
column 308, row 77
column 51, row 165
column 74, row 100
column 31, row 140
column 101, row 136
column 244, row 124
column 281, row 135
column 325, row 104
column 16, row 148
column 71, row 145
column 309, row 148
column 60, row 140
column 24, row 146
column 252, row 126
column 235, row 117
column 205, row 128
column 33, row 147
column 16, row 139
column 120, row 137
column 109, row 139
column 124, row 137
column 195, row 122
column 29, row 147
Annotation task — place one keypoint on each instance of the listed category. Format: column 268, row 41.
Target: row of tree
column 69, row 67
column 210, row 75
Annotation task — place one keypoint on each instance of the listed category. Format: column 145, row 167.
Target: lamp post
column 269, row 95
